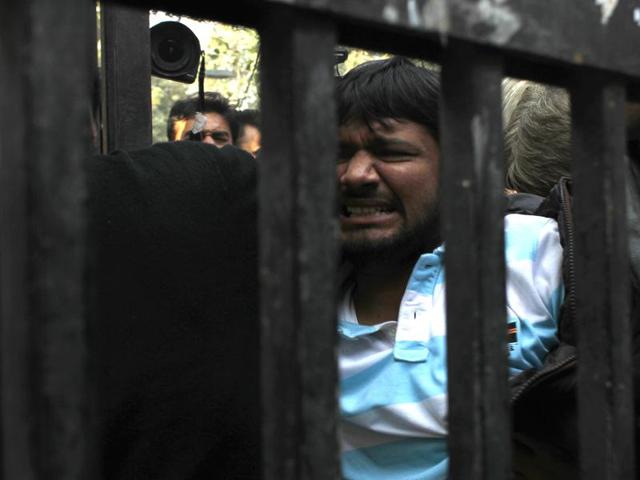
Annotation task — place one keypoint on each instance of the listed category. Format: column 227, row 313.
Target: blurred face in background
column 216, row 131
column 250, row 139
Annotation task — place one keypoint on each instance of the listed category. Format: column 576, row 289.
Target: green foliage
column 356, row 57
column 235, row 49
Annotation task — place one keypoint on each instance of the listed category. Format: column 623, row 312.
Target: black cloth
column 174, row 337
column 525, row 203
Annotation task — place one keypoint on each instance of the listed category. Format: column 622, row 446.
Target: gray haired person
column 537, row 129
column 537, row 144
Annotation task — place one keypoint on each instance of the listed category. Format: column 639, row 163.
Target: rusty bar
column 126, row 65
column 597, row 34
column 51, row 59
column 472, row 184
column 605, row 405
column 298, row 248
column 16, row 421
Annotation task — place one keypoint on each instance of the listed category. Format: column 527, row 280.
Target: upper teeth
column 365, row 210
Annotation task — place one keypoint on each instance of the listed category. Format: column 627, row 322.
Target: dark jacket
column 544, row 402
column 175, row 333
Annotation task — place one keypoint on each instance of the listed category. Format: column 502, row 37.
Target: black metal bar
column 538, row 40
column 49, row 62
column 126, row 65
column 298, row 248
column 604, row 373
column 239, row 12
column 16, row 420
column 472, row 192
column 598, row 34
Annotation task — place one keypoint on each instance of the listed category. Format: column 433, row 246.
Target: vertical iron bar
column 602, row 288
column 16, row 422
column 126, row 65
column 472, row 191
column 49, row 61
column 298, row 248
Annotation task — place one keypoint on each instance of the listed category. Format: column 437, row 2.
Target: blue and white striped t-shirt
column 393, row 375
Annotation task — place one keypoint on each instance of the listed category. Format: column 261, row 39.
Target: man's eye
column 393, row 155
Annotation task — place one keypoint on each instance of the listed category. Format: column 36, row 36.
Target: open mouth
column 365, row 211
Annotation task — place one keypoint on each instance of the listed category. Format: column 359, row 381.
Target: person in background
column 537, row 126
column 249, row 135
column 537, row 146
column 537, row 130
column 215, row 125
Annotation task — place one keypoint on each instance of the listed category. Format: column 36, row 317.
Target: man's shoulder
column 526, row 225
column 525, row 235
column 177, row 159
column 175, row 176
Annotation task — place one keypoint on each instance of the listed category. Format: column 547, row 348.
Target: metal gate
column 48, row 63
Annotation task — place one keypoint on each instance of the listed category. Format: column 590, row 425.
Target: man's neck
column 379, row 289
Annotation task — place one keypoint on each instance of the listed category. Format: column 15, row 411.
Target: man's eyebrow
column 383, row 142
column 377, row 141
column 218, row 133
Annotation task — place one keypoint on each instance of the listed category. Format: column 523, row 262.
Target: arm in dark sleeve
column 175, row 332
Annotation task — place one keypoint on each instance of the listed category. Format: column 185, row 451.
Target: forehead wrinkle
column 376, row 135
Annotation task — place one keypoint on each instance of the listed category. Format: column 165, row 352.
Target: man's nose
column 208, row 139
column 359, row 171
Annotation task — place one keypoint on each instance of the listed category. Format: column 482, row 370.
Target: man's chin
column 398, row 245
column 365, row 250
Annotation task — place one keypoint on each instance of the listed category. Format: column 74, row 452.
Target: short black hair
column 213, row 102
column 246, row 117
column 249, row 117
column 394, row 88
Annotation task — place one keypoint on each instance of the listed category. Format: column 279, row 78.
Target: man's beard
column 407, row 242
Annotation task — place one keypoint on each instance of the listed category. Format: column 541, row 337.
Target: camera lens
column 175, row 52
column 170, row 50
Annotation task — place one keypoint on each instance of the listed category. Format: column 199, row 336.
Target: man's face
column 250, row 139
column 216, row 131
column 388, row 182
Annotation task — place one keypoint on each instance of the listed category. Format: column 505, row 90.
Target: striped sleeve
column 535, row 290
